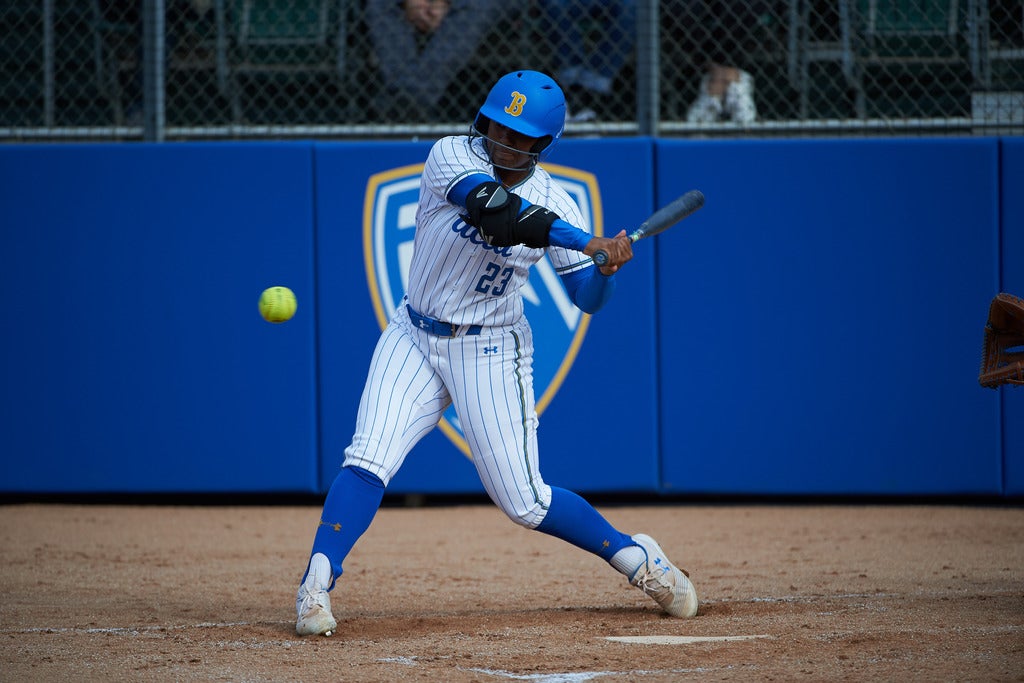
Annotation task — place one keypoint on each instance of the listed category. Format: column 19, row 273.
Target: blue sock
column 575, row 521
column 351, row 503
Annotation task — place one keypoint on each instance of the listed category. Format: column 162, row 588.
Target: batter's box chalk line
column 583, row 676
column 139, row 630
column 680, row 640
column 576, row 677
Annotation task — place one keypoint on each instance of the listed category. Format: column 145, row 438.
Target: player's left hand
column 619, row 249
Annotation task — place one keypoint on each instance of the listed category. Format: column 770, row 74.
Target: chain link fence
column 202, row 69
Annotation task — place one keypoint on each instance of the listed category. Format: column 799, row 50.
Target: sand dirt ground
column 789, row 592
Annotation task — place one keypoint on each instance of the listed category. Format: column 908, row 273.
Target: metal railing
column 236, row 69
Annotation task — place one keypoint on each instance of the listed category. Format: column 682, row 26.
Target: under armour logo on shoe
column 490, row 349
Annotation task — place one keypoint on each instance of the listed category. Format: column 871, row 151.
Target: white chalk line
column 573, row 677
column 681, row 640
column 556, row 677
column 583, row 676
column 816, row 597
column 139, row 630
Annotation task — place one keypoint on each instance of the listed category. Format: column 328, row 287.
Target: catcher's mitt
column 1002, row 360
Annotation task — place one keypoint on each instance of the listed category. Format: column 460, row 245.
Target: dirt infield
column 910, row 593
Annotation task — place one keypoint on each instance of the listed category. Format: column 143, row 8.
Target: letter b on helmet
column 516, row 107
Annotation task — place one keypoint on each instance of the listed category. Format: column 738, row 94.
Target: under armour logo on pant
column 490, row 349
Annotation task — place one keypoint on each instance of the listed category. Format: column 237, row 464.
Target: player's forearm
column 589, row 289
column 563, row 234
column 595, row 292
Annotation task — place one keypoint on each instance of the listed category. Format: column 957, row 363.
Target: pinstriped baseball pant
column 414, row 376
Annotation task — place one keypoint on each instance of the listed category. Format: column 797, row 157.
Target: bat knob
column 600, row 257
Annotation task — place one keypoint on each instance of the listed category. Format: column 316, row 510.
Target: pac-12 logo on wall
column 389, row 224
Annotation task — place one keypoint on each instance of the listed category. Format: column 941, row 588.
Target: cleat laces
column 653, row 581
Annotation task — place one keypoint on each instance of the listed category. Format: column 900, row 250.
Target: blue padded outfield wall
column 815, row 329
column 133, row 355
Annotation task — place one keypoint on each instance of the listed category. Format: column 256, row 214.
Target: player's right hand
column 618, row 248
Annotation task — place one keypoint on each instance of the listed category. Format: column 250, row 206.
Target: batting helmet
column 528, row 102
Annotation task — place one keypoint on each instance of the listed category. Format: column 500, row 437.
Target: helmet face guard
column 528, row 102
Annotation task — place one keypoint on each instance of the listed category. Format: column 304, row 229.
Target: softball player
column 487, row 212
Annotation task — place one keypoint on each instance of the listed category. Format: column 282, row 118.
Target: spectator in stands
column 726, row 94
column 420, row 46
column 593, row 40
column 720, row 38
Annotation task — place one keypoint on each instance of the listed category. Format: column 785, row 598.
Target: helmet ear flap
column 481, row 124
column 541, row 144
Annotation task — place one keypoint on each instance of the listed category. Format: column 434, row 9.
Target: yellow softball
column 277, row 304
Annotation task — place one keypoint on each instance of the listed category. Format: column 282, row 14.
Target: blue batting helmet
column 528, row 102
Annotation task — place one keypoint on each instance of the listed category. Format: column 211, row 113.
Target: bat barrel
column 661, row 220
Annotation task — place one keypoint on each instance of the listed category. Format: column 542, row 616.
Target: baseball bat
column 661, row 220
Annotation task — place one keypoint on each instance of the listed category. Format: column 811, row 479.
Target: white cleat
column 313, row 604
column 663, row 581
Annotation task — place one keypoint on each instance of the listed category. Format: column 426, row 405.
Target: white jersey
column 455, row 276
column 416, row 373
